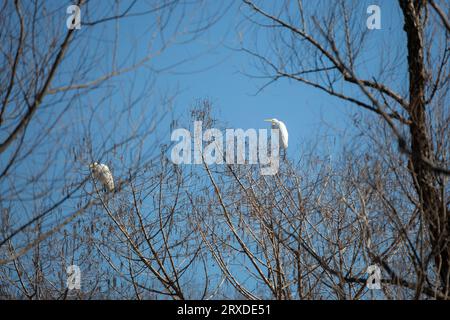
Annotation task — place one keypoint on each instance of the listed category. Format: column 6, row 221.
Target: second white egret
column 284, row 136
column 102, row 173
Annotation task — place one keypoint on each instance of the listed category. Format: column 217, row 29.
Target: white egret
column 102, row 173
column 284, row 136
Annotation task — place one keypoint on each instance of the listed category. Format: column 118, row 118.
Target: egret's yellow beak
column 268, row 120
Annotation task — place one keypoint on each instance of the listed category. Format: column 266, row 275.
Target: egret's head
column 93, row 165
column 273, row 120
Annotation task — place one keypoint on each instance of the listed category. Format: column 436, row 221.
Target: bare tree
column 59, row 112
column 327, row 48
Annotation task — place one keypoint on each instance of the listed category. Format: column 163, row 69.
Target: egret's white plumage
column 284, row 136
column 102, row 173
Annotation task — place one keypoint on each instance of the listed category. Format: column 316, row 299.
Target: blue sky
column 216, row 72
column 234, row 94
column 221, row 78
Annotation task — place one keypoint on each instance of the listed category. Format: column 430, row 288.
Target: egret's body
column 102, row 173
column 284, row 136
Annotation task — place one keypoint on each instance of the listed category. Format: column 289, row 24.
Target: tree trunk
column 426, row 186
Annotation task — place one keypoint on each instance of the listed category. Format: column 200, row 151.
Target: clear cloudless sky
column 218, row 74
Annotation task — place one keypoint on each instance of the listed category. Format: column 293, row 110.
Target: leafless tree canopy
column 223, row 231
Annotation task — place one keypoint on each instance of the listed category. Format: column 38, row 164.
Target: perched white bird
column 102, row 173
column 284, row 136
